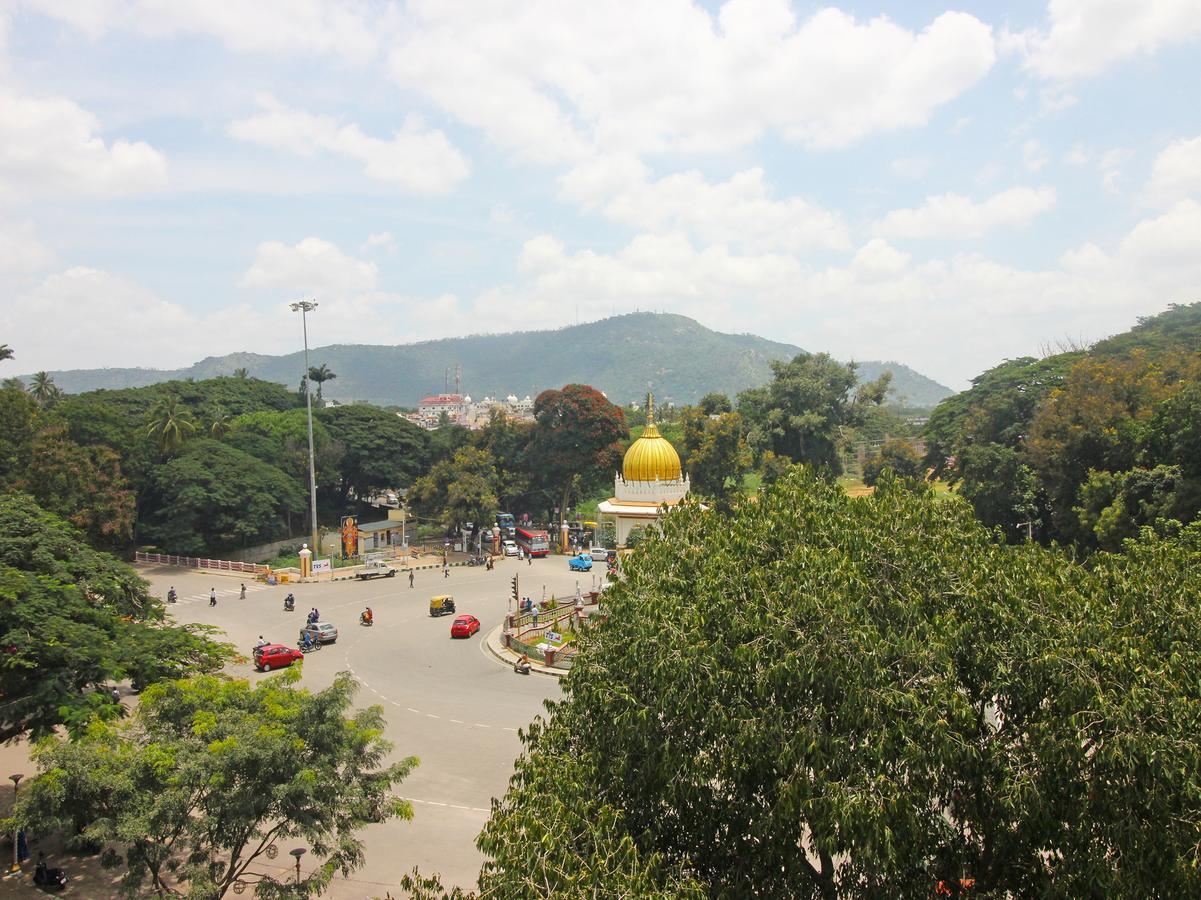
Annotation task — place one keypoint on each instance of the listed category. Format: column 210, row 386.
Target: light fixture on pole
column 304, row 307
column 297, row 852
column 16, row 866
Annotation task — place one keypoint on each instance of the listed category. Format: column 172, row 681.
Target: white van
column 599, row 554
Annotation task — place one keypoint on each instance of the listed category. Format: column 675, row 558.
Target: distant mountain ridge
column 621, row 355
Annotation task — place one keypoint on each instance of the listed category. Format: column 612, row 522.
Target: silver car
column 321, row 632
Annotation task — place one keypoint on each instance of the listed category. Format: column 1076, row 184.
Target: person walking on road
column 242, row 596
column 445, row 569
column 212, row 596
column 529, row 559
column 410, row 578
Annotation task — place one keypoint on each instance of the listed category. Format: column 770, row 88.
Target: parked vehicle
column 51, row 879
column 506, row 523
column 275, row 656
column 599, row 554
column 581, row 563
column 464, row 626
column 321, row 632
column 442, row 605
column 510, row 548
column 375, row 568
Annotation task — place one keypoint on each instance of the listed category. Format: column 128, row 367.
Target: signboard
column 322, row 565
column 553, row 636
column 350, row 537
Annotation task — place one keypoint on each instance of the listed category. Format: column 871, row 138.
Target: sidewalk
column 508, row 657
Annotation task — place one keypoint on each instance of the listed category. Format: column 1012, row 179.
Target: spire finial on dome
column 650, row 408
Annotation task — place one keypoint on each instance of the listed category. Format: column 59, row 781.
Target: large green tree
column 210, row 773
column 577, row 442
column 458, row 490
column 886, row 700
column 84, row 485
column 715, row 451
column 213, row 497
column 799, row 414
column 72, row 621
column 380, row 450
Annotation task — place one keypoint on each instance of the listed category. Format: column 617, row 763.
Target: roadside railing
column 192, row 562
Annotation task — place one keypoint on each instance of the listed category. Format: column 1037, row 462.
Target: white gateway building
column 650, row 481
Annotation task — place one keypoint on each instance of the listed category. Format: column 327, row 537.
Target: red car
column 464, row 626
column 275, row 656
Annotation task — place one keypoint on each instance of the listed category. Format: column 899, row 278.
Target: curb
column 508, row 657
column 401, row 571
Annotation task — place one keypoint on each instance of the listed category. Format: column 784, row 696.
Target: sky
column 946, row 187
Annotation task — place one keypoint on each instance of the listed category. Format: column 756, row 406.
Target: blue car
column 581, row 563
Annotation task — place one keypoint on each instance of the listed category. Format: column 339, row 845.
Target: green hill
column 681, row 358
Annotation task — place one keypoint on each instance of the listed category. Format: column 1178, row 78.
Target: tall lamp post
column 16, row 866
column 304, row 307
column 297, row 852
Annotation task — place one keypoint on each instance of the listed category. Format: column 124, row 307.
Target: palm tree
column 5, row 352
column 170, row 424
column 43, row 389
column 320, row 374
column 14, row 384
column 219, row 426
column 241, row 373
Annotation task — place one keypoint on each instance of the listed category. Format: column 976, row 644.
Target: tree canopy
column 209, row 773
column 379, row 448
column 864, row 697
column 577, row 441
column 74, row 620
column 799, row 413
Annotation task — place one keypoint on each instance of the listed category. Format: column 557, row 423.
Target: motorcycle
column 51, row 879
column 289, row 603
column 363, row 620
column 308, row 646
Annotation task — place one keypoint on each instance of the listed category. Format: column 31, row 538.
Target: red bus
column 533, row 541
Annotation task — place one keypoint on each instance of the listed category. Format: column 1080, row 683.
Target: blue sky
column 943, row 186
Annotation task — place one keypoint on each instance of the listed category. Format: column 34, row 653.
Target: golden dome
column 651, row 457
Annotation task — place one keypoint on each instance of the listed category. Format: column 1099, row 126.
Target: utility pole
column 304, row 307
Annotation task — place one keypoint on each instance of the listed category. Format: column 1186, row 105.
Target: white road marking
column 456, row 721
column 482, row 725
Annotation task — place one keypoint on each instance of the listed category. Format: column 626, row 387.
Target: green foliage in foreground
column 209, row 773
column 890, row 689
column 72, row 621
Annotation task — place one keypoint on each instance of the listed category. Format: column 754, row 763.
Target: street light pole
column 16, row 867
column 304, row 307
column 297, row 852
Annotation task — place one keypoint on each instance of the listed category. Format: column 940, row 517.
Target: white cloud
column 956, row 216
column 1176, row 172
column 881, row 305
column 1110, row 166
column 312, row 267
column 1079, row 155
column 21, row 251
column 1085, row 37
column 383, row 240
column 540, row 79
column 1034, row 157
column 350, row 30
column 1171, row 240
column 52, row 144
column 415, row 159
column 740, row 211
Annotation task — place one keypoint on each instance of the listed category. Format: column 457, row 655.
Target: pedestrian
column 534, row 612
column 116, row 695
column 242, row 596
column 529, row 559
column 445, row 569
column 212, row 596
column 410, row 578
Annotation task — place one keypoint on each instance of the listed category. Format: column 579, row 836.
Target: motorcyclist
column 262, row 642
column 171, row 595
column 306, row 641
column 289, row 602
column 367, row 617
column 522, row 666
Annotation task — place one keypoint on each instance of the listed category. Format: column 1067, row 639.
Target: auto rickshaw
column 443, row 605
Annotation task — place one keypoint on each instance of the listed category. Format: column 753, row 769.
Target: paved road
column 447, row 702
